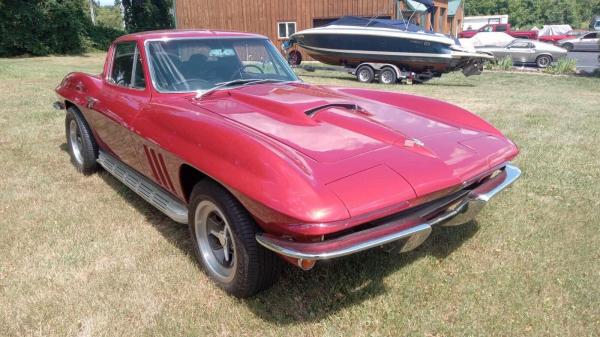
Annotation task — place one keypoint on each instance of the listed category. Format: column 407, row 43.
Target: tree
column 41, row 27
column 527, row 13
column 141, row 15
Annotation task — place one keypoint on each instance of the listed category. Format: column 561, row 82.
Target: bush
column 505, row 63
column 563, row 66
column 42, row 27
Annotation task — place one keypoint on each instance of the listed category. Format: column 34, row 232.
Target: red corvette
column 215, row 130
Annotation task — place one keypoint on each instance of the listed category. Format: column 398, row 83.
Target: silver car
column 586, row 42
column 523, row 51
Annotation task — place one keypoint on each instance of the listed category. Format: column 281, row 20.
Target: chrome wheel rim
column 75, row 140
column 544, row 61
column 215, row 242
column 386, row 77
column 363, row 75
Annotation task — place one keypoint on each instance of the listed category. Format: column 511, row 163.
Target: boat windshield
column 199, row 65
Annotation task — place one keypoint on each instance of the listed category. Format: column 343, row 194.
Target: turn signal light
column 306, row 264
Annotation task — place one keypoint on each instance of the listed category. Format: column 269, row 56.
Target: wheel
column 80, row 142
column 543, row 61
column 568, row 46
column 294, row 58
column 365, row 74
column 223, row 236
column 388, row 76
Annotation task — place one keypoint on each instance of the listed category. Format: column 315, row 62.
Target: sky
column 106, row 2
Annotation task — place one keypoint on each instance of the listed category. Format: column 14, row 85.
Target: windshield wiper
column 240, row 81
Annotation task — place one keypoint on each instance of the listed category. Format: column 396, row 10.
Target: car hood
column 345, row 135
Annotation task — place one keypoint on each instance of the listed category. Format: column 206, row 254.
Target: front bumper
column 412, row 229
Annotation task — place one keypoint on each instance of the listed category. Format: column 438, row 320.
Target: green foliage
column 42, row 27
column 142, row 15
column 109, row 16
column 529, row 13
column 563, row 66
column 505, row 63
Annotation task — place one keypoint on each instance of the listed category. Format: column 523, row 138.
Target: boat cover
column 380, row 23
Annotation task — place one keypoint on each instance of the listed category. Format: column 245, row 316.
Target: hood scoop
column 349, row 106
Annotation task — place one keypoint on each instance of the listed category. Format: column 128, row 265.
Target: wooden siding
column 262, row 16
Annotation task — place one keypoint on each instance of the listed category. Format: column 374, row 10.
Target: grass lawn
column 85, row 256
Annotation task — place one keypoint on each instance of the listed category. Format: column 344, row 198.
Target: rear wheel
column 568, row 46
column 543, row 61
column 80, row 142
column 388, row 76
column 365, row 74
column 223, row 234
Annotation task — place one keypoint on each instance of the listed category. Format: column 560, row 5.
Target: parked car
column 523, row 51
column 595, row 23
column 215, row 130
column 586, row 42
column 500, row 27
column 555, row 39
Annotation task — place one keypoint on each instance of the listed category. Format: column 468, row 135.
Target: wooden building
column 278, row 19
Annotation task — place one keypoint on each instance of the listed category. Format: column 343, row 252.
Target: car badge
column 413, row 142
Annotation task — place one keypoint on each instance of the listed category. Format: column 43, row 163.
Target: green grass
column 85, row 256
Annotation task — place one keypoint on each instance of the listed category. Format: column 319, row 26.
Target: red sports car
column 215, row 130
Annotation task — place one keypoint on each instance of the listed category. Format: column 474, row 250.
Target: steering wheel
column 241, row 69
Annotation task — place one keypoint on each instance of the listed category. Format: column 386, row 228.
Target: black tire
column 253, row 267
column 365, row 74
column 568, row 46
column 84, row 152
column 543, row 61
column 388, row 76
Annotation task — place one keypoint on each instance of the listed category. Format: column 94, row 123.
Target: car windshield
column 187, row 65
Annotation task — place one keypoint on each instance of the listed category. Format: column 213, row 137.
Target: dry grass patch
column 84, row 256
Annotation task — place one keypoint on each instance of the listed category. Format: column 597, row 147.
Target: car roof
column 185, row 33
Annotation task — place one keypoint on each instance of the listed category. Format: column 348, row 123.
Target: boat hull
column 411, row 51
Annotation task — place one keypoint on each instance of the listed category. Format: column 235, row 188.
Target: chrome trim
column 422, row 231
column 145, row 188
column 512, row 174
column 456, row 214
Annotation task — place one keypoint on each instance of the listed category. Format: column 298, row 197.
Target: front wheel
column 388, row 76
column 223, row 236
column 365, row 74
column 543, row 61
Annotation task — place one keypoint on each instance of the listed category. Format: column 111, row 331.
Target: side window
column 501, row 28
column 285, row 29
column 520, row 45
column 591, row 36
column 127, row 67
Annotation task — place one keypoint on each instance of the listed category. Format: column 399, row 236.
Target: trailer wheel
column 365, row 74
column 388, row 76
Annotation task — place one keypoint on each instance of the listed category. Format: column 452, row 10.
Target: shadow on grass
column 331, row 286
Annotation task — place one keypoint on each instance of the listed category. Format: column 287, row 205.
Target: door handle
column 91, row 101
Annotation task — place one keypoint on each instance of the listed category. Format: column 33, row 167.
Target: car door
column 124, row 94
column 521, row 51
column 589, row 42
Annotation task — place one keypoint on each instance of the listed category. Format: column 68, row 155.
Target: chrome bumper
column 414, row 229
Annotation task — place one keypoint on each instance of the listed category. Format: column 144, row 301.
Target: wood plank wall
column 262, row 16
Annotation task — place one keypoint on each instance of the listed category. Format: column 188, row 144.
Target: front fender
column 427, row 107
column 255, row 168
